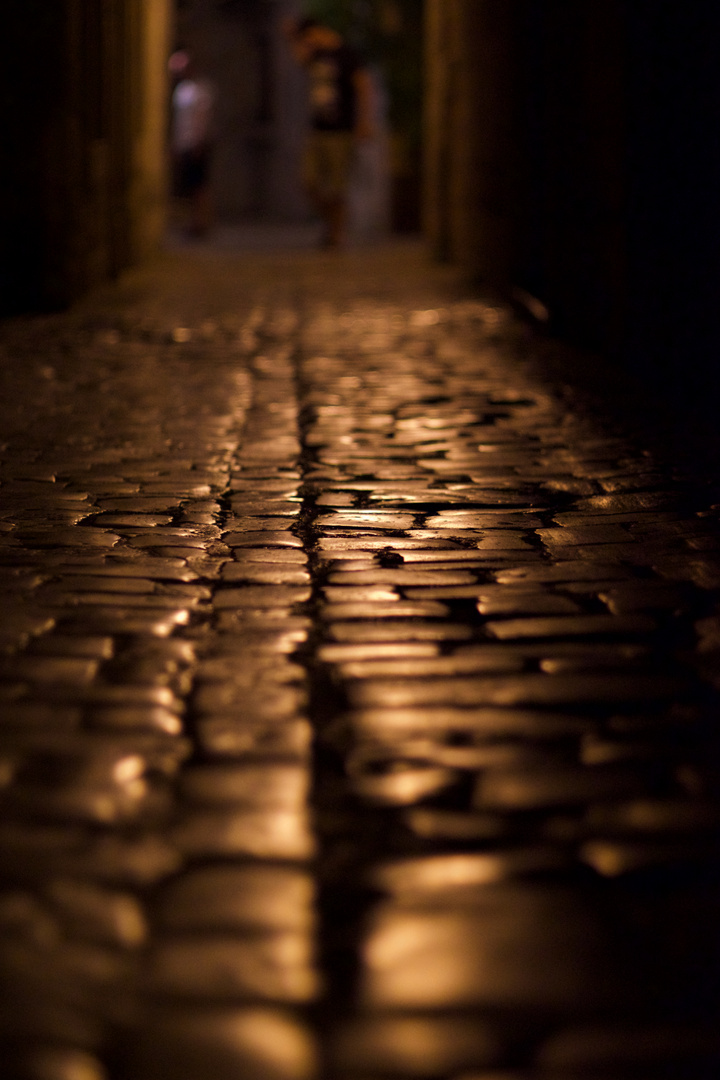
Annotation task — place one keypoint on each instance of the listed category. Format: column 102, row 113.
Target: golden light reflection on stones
column 419, row 1046
column 458, row 876
column 225, row 1043
column 346, row 697
column 515, row 946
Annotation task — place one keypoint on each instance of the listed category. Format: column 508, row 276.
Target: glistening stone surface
column 358, row 694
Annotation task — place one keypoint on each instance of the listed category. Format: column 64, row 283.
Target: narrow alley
column 359, row 693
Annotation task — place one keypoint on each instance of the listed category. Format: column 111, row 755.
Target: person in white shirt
column 193, row 107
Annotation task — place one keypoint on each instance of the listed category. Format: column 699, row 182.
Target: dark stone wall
column 471, row 141
column 31, row 74
column 570, row 127
column 81, row 176
column 619, row 122
column 609, row 160
column 673, row 202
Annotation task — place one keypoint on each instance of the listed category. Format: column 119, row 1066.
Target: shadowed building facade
column 83, row 184
column 572, row 152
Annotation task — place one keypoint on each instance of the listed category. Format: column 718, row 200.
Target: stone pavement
column 358, row 694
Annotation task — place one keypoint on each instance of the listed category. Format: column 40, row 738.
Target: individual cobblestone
column 358, row 694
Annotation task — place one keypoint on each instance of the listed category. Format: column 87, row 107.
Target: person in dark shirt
column 341, row 113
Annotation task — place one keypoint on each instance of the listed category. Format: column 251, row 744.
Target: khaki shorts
column 327, row 163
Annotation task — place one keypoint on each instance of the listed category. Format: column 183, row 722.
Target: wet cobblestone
column 358, row 694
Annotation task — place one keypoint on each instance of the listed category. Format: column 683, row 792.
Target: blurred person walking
column 341, row 106
column 192, row 137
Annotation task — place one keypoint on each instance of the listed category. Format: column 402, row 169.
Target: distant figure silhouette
column 341, row 113
column 193, row 107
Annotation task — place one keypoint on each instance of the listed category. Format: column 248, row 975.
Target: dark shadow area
column 618, row 110
column 674, row 420
column 573, row 151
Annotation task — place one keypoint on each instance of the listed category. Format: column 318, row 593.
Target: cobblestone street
column 358, row 693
